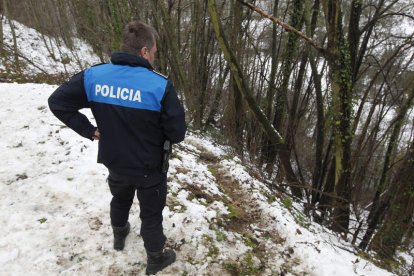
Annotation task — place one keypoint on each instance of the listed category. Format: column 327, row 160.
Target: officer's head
column 139, row 39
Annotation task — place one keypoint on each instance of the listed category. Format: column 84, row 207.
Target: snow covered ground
column 54, row 200
column 54, row 208
column 41, row 53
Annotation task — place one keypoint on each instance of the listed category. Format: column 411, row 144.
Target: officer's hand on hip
column 96, row 135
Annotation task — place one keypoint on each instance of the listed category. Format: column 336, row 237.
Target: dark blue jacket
column 136, row 110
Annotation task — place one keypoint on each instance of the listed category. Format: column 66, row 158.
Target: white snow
column 54, row 200
column 44, row 52
column 55, row 207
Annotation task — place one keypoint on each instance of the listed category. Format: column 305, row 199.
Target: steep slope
column 43, row 54
column 221, row 220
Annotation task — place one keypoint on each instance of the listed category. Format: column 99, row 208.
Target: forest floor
column 220, row 219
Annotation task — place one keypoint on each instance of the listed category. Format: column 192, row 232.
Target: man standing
column 136, row 111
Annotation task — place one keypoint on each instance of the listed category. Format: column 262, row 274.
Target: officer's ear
column 143, row 52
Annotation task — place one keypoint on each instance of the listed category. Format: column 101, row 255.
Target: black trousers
column 151, row 191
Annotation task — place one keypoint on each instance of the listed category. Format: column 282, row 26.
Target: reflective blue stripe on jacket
column 134, row 87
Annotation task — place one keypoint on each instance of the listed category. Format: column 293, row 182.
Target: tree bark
column 341, row 84
column 320, row 133
column 1, row 29
column 271, row 90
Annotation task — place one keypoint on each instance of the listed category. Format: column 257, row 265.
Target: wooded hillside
column 316, row 95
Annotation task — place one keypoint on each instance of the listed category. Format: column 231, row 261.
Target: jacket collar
column 123, row 58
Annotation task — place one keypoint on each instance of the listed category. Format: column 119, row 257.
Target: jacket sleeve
column 172, row 116
column 65, row 103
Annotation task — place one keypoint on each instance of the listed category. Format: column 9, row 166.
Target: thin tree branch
column 285, row 26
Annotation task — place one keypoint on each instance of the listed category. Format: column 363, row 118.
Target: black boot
column 120, row 234
column 157, row 261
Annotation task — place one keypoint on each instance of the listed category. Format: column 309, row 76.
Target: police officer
column 136, row 111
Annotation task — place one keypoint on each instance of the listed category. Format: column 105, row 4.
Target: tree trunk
column 241, row 82
column 271, row 90
column 379, row 204
column 176, row 63
column 115, row 23
column 320, row 134
column 235, row 43
column 217, row 96
column 13, row 32
column 1, row 29
column 279, row 119
column 354, row 35
column 193, row 73
column 399, row 218
column 341, row 79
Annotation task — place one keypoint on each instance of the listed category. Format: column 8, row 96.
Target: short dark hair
column 137, row 35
